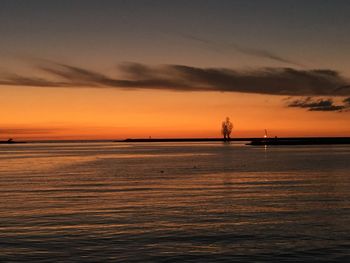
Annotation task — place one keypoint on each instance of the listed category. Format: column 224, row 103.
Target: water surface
column 167, row 202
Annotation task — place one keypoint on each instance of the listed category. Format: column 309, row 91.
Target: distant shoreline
column 11, row 142
column 254, row 141
column 182, row 140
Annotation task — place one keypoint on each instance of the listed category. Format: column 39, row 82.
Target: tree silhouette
column 226, row 129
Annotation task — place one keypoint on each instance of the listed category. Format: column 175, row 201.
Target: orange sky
column 56, row 113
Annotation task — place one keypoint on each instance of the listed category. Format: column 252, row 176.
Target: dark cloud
column 318, row 104
column 272, row 81
column 347, row 101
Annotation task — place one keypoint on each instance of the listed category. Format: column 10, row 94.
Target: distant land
column 10, row 141
column 254, row 141
column 183, row 139
column 249, row 141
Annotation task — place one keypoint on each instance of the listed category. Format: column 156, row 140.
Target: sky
column 160, row 68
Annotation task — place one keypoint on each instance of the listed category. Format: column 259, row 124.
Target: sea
column 174, row 202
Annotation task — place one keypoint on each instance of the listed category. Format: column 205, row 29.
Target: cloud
column 319, row 104
column 14, row 79
column 347, row 101
column 256, row 52
column 271, row 81
column 265, row 54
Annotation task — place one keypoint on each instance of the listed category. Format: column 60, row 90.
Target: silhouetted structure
column 300, row 141
column 226, row 129
column 252, row 141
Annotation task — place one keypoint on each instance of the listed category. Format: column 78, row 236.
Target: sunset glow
column 56, row 84
column 174, row 131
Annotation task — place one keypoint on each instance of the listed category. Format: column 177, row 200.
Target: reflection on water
column 204, row 202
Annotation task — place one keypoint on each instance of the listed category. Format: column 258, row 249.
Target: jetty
column 300, row 141
column 253, row 141
column 183, row 140
column 11, row 141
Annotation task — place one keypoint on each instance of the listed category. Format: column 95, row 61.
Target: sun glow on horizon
column 113, row 114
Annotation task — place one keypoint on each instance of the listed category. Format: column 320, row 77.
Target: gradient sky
column 64, row 65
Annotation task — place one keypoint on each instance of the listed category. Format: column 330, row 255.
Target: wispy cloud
column 320, row 104
column 17, row 80
column 347, row 101
column 269, row 81
column 265, row 54
column 251, row 51
column 273, row 81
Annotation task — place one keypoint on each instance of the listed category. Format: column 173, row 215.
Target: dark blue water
column 174, row 202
